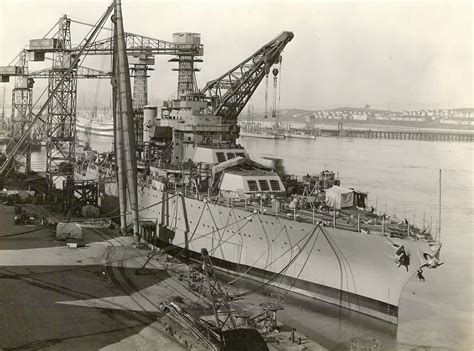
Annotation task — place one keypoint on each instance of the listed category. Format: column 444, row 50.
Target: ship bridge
column 242, row 177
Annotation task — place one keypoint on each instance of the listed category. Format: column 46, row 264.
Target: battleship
column 198, row 188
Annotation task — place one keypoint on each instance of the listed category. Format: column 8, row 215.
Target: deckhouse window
column 230, row 155
column 241, row 154
column 252, row 185
column 220, row 156
column 275, row 185
column 263, row 184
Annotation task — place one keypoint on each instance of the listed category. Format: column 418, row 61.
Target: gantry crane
column 230, row 92
column 187, row 49
column 22, row 97
column 62, row 106
column 61, row 100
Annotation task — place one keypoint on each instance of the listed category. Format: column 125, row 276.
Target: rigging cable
column 250, row 292
column 304, row 265
column 333, row 245
column 258, row 259
column 276, row 259
column 266, row 95
column 249, row 219
column 198, row 237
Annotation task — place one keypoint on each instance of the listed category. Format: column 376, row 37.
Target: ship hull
column 300, row 136
column 95, row 131
column 349, row 269
column 257, row 135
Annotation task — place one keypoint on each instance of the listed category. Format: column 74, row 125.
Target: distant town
column 443, row 118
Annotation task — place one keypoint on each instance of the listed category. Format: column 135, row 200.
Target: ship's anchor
column 431, row 260
column 402, row 255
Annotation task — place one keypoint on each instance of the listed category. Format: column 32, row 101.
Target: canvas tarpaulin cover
column 338, row 197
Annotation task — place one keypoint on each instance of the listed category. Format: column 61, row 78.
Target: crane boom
column 231, row 91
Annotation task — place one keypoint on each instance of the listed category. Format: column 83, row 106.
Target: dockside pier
column 401, row 134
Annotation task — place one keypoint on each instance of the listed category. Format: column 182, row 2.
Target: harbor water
column 401, row 178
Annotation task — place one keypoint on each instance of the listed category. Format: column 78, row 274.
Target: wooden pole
column 126, row 110
column 119, row 161
column 358, row 222
column 439, row 208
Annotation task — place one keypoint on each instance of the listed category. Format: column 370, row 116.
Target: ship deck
column 355, row 220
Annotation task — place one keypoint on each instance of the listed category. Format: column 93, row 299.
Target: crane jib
column 231, row 91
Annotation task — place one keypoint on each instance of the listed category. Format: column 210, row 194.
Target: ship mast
column 124, row 114
column 439, row 208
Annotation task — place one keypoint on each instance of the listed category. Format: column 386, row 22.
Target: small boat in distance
column 260, row 135
column 299, row 135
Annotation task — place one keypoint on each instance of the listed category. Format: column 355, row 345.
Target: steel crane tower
column 186, row 68
column 186, row 47
column 22, row 96
column 61, row 101
column 61, row 126
column 22, row 100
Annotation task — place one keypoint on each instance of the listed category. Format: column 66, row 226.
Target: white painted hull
column 257, row 135
column 349, row 269
column 300, row 136
column 96, row 128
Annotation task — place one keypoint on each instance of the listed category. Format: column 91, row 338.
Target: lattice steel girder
column 21, row 107
column 232, row 90
column 81, row 72
column 62, row 89
column 186, row 69
column 137, row 44
column 61, row 126
column 140, row 86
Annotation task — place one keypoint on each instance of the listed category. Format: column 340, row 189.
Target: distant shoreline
column 374, row 124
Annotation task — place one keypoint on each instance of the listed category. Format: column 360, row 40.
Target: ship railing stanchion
column 358, row 222
column 313, row 213
column 334, row 218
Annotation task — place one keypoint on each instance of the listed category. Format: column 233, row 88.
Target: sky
column 397, row 55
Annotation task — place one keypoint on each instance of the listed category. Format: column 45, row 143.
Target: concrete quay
column 95, row 297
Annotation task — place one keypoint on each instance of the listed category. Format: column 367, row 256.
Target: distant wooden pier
column 422, row 135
